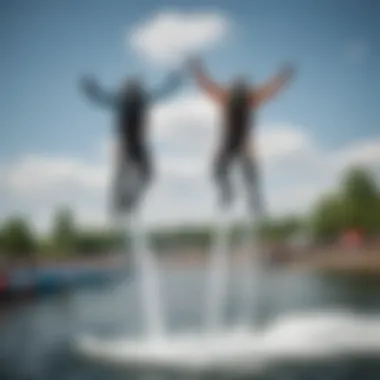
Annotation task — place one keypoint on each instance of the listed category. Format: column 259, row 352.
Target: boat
column 51, row 280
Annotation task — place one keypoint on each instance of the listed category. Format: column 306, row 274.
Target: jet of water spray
column 218, row 274
column 253, row 260
column 250, row 264
column 148, row 277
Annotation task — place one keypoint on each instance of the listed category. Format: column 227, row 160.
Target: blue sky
column 47, row 45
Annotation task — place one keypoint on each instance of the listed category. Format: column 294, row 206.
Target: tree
column 355, row 205
column 64, row 234
column 17, row 238
column 90, row 242
column 362, row 199
column 358, row 184
column 1, row 241
column 281, row 229
column 328, row 217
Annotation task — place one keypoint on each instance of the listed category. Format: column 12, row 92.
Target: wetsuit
column 238, row 106
column 133, row 164
column 237, row 120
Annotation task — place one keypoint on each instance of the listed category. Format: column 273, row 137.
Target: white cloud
column 295, row 168
column 361, row 153
column 281, row 141
column 35, row 174
column 168, row 38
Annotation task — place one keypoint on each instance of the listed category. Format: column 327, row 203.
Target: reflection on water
column 35, row 337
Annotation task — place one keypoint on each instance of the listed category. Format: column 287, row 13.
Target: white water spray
column 148, row 277
column 218, row 275
column 146, row 262
column 253, row 260
column 251, row 268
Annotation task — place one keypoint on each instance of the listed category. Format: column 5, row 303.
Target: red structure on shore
column 352, row 238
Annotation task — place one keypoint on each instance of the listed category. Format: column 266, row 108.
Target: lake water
column 36, row 336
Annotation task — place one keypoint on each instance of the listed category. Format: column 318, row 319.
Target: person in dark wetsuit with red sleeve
column 239, row 104
column 131, row 103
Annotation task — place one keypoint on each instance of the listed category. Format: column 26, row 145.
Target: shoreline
column 334, row 260
column 363, row 260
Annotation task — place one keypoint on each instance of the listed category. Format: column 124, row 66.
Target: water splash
column 149, row 279
column 253, row 263
column 305, row 337
column 218, row 275
column 251, row 266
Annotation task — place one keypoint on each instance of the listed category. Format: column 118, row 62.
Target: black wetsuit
column 132, row 150
column 236, row 128
column 133, row 164
column 237, row 117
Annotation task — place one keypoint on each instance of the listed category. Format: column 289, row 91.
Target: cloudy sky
column 56, row 148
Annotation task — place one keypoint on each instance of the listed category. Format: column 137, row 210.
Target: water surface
column 36, row 336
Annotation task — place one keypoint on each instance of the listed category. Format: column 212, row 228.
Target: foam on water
column 309, row 337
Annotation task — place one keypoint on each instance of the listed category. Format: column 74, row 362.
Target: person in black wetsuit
column 239, row 104
column 133, row 172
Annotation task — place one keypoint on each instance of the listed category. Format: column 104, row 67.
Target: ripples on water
column 36, row 337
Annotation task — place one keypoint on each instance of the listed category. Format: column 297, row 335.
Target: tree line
column 355, row 204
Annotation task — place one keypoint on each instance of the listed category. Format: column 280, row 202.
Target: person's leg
column 256, row 253
column 138, row 178
column 252, row 180
column 222, row 177
column 117, row 188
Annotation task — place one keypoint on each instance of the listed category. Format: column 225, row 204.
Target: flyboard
column 240, row 349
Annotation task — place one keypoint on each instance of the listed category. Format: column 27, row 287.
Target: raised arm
column 262, row 94
column 171, row 84
column 216, row 92
column 97, row 94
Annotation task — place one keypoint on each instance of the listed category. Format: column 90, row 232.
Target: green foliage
column 17, row 238
column 355, row 205
column 359, row 185
column 328, row 219
column 90, row 242
column 362, row 197
column 1, row 241
column 182, row 237
column 64, row 231
column 282, row 228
